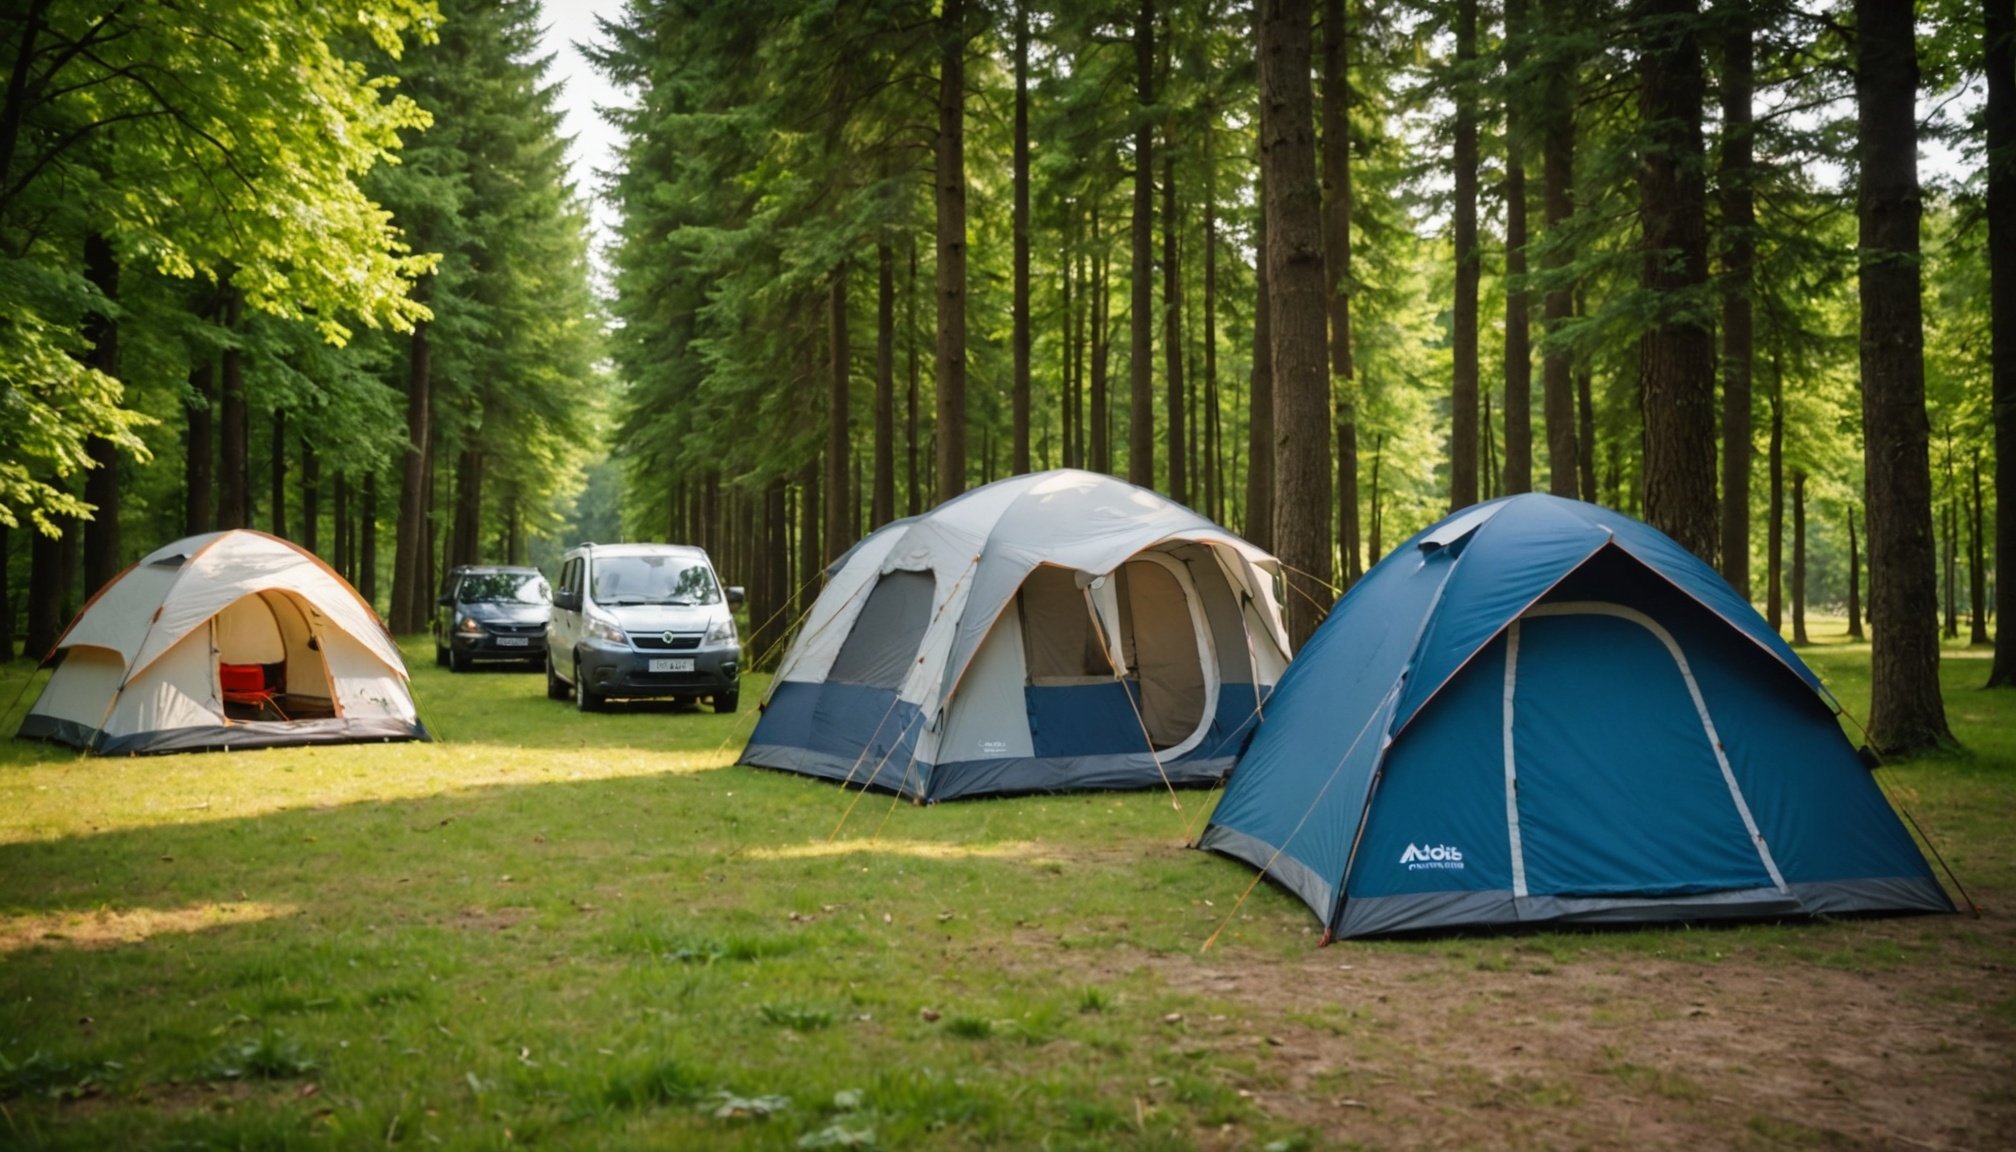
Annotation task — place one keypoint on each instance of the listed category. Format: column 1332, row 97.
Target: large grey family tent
column 1541, row 710
column 226, row 640
column 1055, row 631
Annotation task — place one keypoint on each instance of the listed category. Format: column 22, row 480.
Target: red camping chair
column 245, row 684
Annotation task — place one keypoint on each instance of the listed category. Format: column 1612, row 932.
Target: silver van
column 642, row 620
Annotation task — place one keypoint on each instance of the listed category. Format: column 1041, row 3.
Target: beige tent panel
column 89, row 682
column 179, row 692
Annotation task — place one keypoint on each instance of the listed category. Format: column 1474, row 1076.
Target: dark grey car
column 492, row 613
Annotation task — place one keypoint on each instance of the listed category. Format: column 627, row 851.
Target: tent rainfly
column 1047, row 632
column 225, row 640
column 1539, row 710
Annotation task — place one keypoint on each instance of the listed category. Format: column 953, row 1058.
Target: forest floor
column 587, row 931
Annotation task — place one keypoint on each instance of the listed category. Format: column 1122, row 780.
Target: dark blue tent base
column 224, row 737
column 1364, row 916
column 1391, row 915
column 1017, row 775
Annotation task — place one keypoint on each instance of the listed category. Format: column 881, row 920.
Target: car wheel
column 585, row 698
column 458, row 661
column 726, row 702
column 440, row 655
column 556, row 688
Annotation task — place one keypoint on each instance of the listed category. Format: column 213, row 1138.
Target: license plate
column 685, row 665
column 513, row 642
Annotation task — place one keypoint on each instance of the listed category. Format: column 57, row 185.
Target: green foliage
column 219, row 142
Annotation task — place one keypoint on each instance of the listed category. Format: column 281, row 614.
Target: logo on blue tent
column 1437, row 856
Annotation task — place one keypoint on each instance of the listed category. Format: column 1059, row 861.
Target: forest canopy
column 1322, row 270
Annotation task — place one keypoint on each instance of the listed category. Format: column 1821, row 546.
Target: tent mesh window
column 883, row 643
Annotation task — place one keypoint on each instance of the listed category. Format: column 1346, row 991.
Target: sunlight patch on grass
column 107, row 928
column 914, row 849
column 81, row 796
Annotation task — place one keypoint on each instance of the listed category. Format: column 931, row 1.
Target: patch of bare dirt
column 1522, row 1043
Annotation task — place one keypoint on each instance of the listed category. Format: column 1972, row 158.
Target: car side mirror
column 736, row 595
column 568, row 600
column 446, row 600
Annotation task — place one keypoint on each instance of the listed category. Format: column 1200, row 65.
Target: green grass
column 572, row 931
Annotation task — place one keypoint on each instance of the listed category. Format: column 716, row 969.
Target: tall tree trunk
column 1488, row 436
column 951, row 347
column 1775, row 477
column 278, row 488
column 1854, row 580
column 1376, row 542
column 1774, row 543
column 410, row 539
column 1214, row 472
column 430, row 532
column 1102, row 346
column 1799, row 559
column 882, row 501
column 1584, row 440
column 1951, row 556
column 1294, row 254
column 1172, row 335
column 339, row 512
column 1999, row 115
column 234, row 484
column 1977, row 569
column 101, row 483
column 199, row 446
column 1336, row 167
column 1571, row 448
column 66, row 572
column 805, row 582
column 776, row 552
column 1518, row 323
column 1019, row 388
column 1074, row 355
column 465, row 546
column 45, row 595
column 1259, row 524
column 1463, row 391
column 311, row 496
column 1141, row 351
column 913, row 481
column 1906, row 713
column 839, row 419
column 1739, row 252
column 1676, row 353
column 367, row 542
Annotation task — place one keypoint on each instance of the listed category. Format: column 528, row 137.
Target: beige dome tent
column 226, row 640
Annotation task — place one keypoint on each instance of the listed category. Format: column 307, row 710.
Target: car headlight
column 597, row 628
column 722, row 632
column 468, row 625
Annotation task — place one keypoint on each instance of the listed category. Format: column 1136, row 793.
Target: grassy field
column 570, row 931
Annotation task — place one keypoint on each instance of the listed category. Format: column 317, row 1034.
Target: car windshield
column 654, row 580
column 503, row 588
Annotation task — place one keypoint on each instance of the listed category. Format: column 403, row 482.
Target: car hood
column 661, row 617
column 490, row 612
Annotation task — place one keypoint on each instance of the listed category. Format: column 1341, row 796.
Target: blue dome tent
column 1538, row 711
